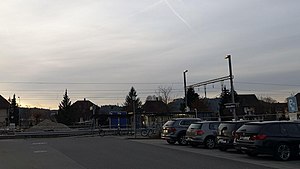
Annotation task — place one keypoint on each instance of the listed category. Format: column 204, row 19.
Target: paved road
column 110, row 153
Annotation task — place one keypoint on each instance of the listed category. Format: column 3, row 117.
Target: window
column 169, row 123
column 186, row 122
column 250, row 128
column 292, row 129
column 214, row 126
column 195, row 126
column 272, row 130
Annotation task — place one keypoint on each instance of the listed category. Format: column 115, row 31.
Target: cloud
column 146, row 42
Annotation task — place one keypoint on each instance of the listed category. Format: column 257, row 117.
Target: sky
column 99, row 49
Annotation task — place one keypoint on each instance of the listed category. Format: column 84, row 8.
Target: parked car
column 226, row 134
column 202, row 133
column 278, row 138
column 174, row 130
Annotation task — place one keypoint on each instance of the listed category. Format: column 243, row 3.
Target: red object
column 199, row 132
column 259, row 137
column 172, row 130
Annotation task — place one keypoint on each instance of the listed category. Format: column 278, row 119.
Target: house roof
column 4, row 104
column 175, row 105
column 155, row 107
column 247, row 99
column 83, row 104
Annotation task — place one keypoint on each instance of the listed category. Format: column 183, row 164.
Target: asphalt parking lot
column 262, row 160
column 115, row 152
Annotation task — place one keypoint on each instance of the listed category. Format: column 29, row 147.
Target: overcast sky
column 98, row 49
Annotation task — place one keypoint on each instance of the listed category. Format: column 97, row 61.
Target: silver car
column 175, row 129
column 204, row 133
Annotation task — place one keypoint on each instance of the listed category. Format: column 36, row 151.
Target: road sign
column 231, row 105
column 292, row 104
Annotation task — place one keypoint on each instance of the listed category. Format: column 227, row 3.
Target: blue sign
column 292, row 104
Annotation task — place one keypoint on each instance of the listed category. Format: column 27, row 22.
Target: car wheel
column 282, row 152
column 171, row 141
column 210, row 143
column 144, row 132
column 182, row 140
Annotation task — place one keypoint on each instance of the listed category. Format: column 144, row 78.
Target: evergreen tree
column 192, row 97
column 225, row 113
column 14, row 111
column 130, row 99
column 64, row 110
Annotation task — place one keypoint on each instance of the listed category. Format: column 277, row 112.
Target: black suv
column 278, row 138
column 226, row 134
column 175, row 130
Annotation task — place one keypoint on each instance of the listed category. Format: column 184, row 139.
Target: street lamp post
column 185, row 94
column 134, row 116
column 19, row 112
column 231, row 86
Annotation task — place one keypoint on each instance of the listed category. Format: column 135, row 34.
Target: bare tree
column 268, row 99
column 165, row 93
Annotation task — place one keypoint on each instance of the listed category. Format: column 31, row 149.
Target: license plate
column 245, row 138
column 243, row 148
column 222, row 141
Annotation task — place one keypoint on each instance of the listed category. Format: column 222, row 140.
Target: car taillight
column 199, row 132
column 172, row 130
column 233, row 133
column 258, row 137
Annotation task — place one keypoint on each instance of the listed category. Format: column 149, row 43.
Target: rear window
column 195, row 126
column 291, row 129
column 226, row 126
column 250, row 128
column 187, row 122
column 214, row 126
column 169, row 123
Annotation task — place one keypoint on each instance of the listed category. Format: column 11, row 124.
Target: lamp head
column 228, row 56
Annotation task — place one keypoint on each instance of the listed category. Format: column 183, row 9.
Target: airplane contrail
column 148, row 8
column 178, row 15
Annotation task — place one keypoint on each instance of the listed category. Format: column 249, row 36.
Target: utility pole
column 185, row 94
column 231, row 86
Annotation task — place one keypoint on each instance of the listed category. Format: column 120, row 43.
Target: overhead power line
column 89, row 83
column 271, row 84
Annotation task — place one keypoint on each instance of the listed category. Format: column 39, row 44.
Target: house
column 4, row 111
column 84, row 110
column 213, row 106
column 114, row 116
column 177, row 105
column 248, row 105
column 155, row 112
